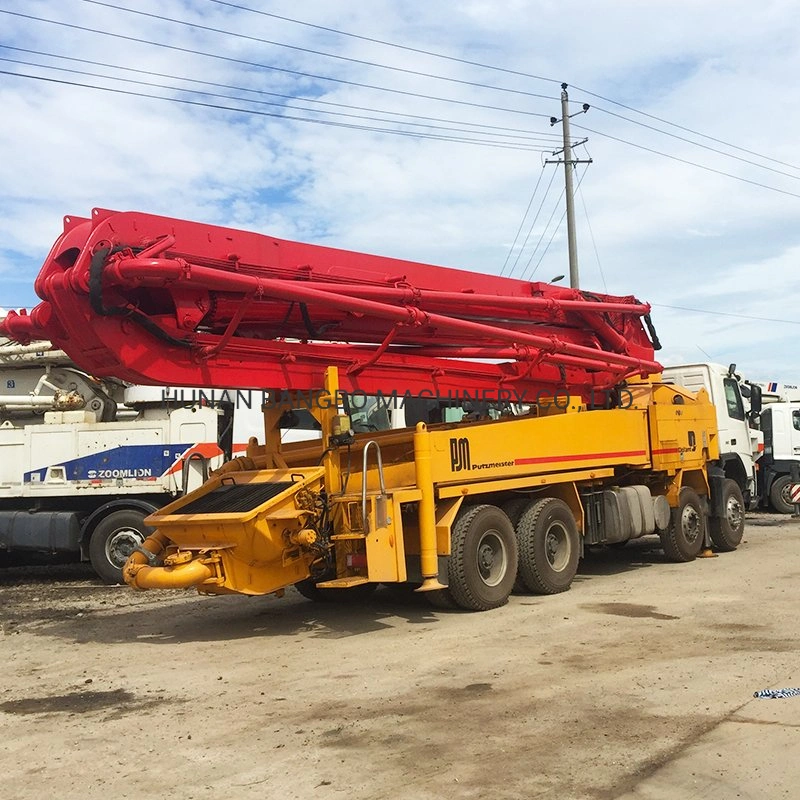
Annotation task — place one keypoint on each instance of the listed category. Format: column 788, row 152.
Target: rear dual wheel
column 549, row 546
column 483, row 560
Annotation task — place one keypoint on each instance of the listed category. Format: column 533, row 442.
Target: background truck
column 780, row 424
column 462, row 510
column 80, row 469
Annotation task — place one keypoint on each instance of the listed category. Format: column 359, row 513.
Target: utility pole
column 569, row 165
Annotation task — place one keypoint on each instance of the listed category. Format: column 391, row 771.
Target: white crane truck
column 80, row 469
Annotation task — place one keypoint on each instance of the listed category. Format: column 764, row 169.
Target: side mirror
column 755, row 400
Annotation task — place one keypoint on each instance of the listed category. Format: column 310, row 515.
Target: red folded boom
column 164, row 301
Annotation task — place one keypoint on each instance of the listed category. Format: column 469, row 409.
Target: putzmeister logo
column 459, row 454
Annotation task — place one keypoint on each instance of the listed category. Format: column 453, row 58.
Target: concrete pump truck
column 540, row 423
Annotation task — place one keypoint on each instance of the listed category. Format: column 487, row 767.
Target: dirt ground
column 637, row 684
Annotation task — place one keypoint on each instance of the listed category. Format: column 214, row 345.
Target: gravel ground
column 637, row 683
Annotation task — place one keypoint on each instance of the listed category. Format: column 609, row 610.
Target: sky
column 691, row 200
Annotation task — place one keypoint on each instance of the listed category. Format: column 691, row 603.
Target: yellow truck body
column 462, row 511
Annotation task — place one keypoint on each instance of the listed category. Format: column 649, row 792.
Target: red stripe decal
column 589, row 457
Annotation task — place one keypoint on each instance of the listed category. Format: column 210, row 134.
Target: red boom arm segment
column 157, row 300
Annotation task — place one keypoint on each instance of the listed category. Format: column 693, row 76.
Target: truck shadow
column 116, row 615
column 613, row 560
column 208, row 619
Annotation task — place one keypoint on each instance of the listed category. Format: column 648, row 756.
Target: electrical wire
column 504, row 70
column 533, row 223
column 727, row 314
column 591, row 236
column 698, row 144
column 681, row 127
column 407, row 48
column 686, row 161
column 529, row 139
column 560, row 222
column 259, row 40
column 331, row 123
column 554, row 137
column 522, row 222
column 525, row 276
column 244, row 62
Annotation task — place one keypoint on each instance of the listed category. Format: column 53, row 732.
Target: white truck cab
column 780, row 423
column 740, row 443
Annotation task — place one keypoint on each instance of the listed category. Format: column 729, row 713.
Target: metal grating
column 230, row 498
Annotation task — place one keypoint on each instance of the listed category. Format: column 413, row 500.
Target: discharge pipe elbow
column 181, row 576
column 140, row 572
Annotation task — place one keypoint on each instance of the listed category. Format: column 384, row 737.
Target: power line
column 407, row 48
column 524, row 275
column 412, row 94
column 247, row 37
column 558, row 226
column 522, row 221
column 285, row 70
column 591, row 236
column 679, row 127
column 698, row 144
column 728, row 314
column 528, row 139
column 506, row 71
column 552, row 136
column 690, row 163
column 533, row 223
column 331, row 123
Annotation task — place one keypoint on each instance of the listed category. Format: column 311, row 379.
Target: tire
column 779, row 495
column 114, row 538
column 683, row 540
column 549, row 546
column 354, row 594
column 514, row 509
column 727, row 531
column 483, row 558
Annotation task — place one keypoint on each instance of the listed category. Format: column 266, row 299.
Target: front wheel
column 483, row 558
column 683, row 540
column 779, row 497
column 114, row 538
column 727, row 531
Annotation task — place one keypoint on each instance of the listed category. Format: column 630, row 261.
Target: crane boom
column 158, row 300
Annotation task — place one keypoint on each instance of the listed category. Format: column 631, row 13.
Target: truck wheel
column 727, row 531
column 513, row 510
column 779, row 495
column 549, row 546
column 483, row 561
column 683, row 540
column 113, row 540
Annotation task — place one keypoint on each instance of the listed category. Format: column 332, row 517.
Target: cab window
column 796, row 420
column 733, row 399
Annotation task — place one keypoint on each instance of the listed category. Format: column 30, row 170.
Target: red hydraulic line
column 132, row 272
column 471, row 299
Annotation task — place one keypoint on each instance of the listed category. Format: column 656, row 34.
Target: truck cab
column 780, row 424
column 740, row 443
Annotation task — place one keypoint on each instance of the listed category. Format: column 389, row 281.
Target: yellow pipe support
column 182, row 576
column 429, row 563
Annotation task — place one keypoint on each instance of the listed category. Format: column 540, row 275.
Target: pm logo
column 459, row 454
